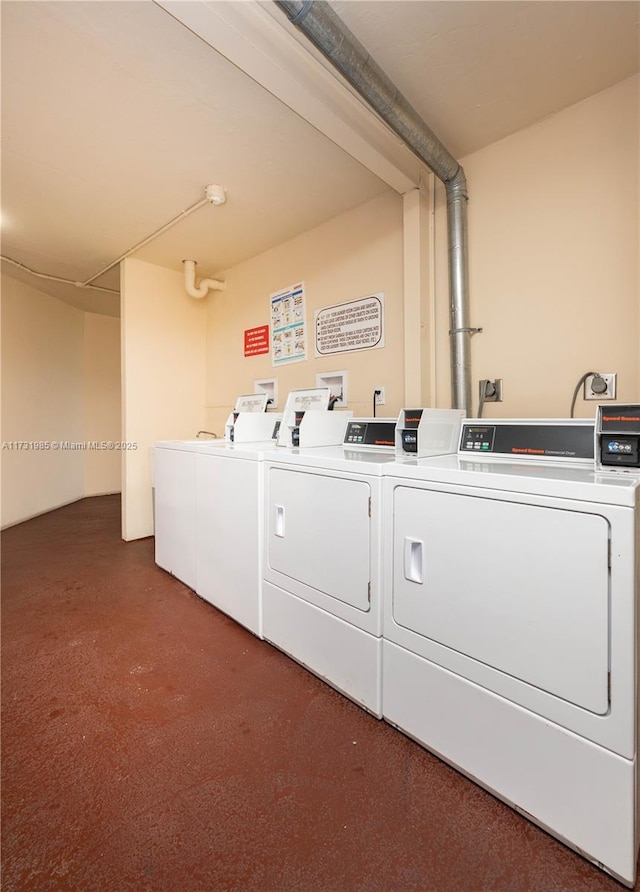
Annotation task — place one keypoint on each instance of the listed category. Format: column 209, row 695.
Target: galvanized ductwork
column 326, row 30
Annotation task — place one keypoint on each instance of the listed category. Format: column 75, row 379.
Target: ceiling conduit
column 330, row 35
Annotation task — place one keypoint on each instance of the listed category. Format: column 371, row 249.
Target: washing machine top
column 220, row 448
column 573, row 481
column 187, row 445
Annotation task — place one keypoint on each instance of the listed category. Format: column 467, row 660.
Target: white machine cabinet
column 510, row 627
column 209, row 521
column 175, row 510
column 228, row 532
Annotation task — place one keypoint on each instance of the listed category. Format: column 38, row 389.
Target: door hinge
column 369, row 592
column 609, row 553
column 369, row 506
column 609, row 687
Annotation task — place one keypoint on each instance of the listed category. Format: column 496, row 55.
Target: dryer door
column 521, row 588
column 319, row 533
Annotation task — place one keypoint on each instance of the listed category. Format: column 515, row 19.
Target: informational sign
column 288, row 329
column 256, row 340
column 354, row 325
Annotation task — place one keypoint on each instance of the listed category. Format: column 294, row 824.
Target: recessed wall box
column 337, row 382
column 270, row 387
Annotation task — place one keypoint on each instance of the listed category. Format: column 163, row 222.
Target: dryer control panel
column 377, row 433
column 550, row 439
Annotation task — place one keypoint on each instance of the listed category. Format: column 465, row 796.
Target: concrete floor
column 151, row 744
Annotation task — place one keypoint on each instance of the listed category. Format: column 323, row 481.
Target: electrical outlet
column 601, row 387
column 380, row 398
column 490, row 390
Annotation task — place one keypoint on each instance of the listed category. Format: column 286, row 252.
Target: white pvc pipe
column 205, row 285
column 145, row 241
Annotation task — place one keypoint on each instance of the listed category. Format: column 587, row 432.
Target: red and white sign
column 256, row 340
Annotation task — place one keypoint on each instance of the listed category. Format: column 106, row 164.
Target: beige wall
column 60, row 384
column 351, row 256
column 102, row 411
column 42, row 401
column 553, row 236
column 554, row 279
column 163, row 375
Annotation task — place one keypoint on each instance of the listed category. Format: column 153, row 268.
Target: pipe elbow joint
column 457, row 186
column 205, row 285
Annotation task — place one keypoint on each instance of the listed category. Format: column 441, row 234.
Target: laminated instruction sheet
column 288, row 329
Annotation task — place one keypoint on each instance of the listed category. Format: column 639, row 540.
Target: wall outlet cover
column 601, row 387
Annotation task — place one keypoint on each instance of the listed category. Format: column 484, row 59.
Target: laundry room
column 215, row 222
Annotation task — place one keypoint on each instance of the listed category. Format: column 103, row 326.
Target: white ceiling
column 115, row 117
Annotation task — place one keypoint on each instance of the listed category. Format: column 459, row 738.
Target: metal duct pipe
column 326, row 30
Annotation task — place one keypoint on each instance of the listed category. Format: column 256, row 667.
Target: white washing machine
column 175, row 484
column 174, row 481
column 322, row 567
column 510, row 626
column 229, row 531
column 209, row 521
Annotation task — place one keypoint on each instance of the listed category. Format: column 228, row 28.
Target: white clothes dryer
column 322, row 566
column 510, row 629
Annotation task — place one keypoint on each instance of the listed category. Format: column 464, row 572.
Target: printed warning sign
column 354, row 325
column 256, row 340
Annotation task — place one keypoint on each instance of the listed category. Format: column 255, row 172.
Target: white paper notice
column 288, row 331
column 354, row 325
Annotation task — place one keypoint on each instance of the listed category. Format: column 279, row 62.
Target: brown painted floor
column 151, row 744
